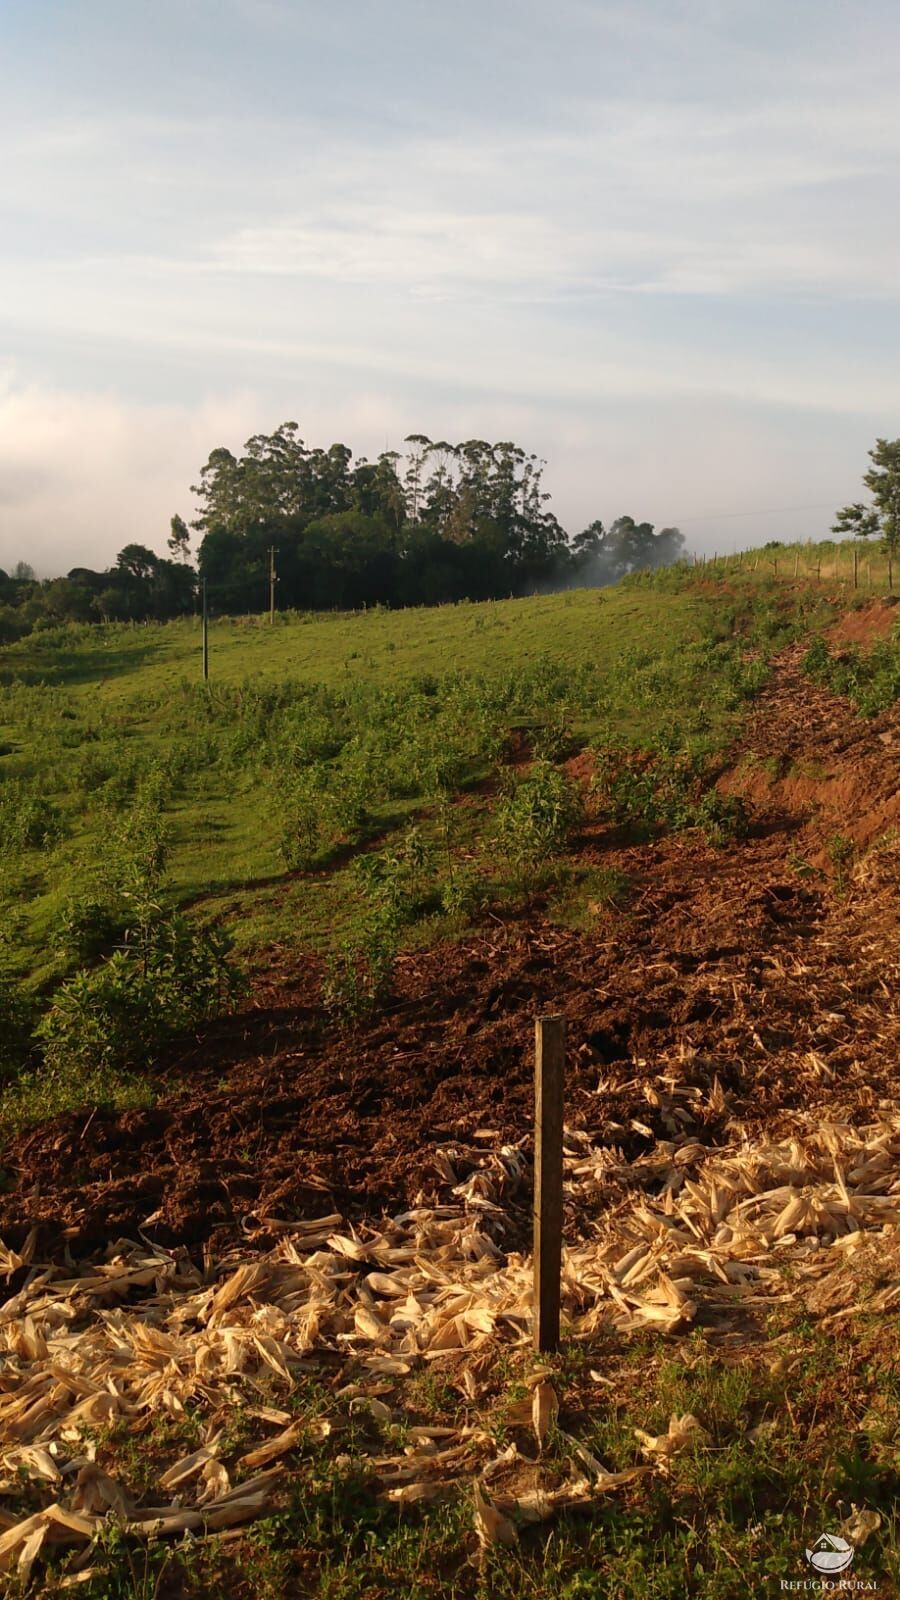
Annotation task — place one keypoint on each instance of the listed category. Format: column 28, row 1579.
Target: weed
column 870, row 679
column 840, row 851
column 358, row 974
column 536, row 815
column 28, row 820
column 644, row 791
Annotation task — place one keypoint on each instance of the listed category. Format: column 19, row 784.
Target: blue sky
column 656, row 241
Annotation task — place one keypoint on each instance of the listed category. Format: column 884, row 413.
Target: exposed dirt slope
column 744, row 978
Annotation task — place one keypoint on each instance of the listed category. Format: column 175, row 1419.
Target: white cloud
column 89, row 474
column 588, row 223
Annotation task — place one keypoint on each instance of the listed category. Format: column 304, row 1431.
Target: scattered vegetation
column 536, row 815
column 669, row 788
column 870, row 678
column 339, row 777
column 128, row 791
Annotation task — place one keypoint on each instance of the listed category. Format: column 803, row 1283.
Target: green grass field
column 89, row 717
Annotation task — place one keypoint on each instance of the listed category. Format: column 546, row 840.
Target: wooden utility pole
column 205, row 628
column 272, row 582
column 549, row 1076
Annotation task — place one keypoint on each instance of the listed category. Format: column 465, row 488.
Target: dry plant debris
column 681, row 1235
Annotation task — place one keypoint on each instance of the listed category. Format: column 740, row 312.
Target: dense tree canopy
column 141, row 586
column 441, row 522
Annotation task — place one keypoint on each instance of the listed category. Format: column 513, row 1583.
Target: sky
column 657, row 242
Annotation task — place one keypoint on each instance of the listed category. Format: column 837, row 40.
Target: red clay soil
column 863, row 627
column 738, row 983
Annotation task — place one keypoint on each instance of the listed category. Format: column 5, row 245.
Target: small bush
column 395, row 885
column 169, row 976
column 358, row 975
column 670, row 789
column 28, row 820
column 135, row 860
column 300, row 801
column 319, row 806
column 87, row 928
column 555, row 740
column 462, row 894
column 871, row 679
column 398, row 881
column 841, row 852
column 536, row 815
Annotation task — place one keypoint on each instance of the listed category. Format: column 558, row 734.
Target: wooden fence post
column 855, row 569
column 549, row 1075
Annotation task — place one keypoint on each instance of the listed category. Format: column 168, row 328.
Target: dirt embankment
column 738, row 984
column 808, row 765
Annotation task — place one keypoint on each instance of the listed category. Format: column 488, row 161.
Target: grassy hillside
column 94, row 721
column 298, row 1215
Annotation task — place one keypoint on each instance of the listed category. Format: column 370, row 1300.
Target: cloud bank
column 658, row 243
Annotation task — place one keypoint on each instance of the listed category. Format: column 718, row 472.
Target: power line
column 764, row 511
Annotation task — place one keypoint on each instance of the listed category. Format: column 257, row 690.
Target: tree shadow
column 85, row 664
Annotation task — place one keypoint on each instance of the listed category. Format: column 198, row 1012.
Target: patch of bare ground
column 865, row 625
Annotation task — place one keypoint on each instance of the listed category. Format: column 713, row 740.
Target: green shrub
column 169, row 976
column 669, row 789
column 841, row 852
column 397, row 882
column 87, row 927
column 871, row 679
column 317, row 807
column 28, row 820
column 555, row 740
column 395, row 885
column 301, row 809
column 358, row 975
column 137, row 852
column 462, row 894
column 537, row 814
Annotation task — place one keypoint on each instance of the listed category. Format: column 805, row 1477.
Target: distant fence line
column 855, row 568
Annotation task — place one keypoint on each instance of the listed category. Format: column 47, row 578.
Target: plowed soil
column 735, row 983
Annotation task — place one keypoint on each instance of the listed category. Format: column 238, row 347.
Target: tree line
column 440, row 522
column 436, row 523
